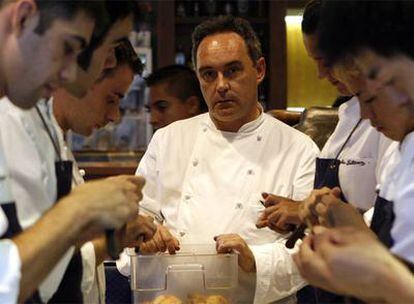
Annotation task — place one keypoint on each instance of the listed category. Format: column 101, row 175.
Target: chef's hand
column 104, row 204
column 226, row 243
column 162, row 240
column 141, row 229
column 312, row 210
column 280, row 215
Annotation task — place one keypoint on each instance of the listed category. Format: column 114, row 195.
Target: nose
column 68, row 72
column 114, row 115
column 322, row 70
column 222, row 85
column 110, row 61
column 155, row 118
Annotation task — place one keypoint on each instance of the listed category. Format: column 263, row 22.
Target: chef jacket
column 10, row 263
column 398, row 187
column 30, row 159
column 361, row 158
column 208, row 182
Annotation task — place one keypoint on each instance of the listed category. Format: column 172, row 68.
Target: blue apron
column 326, row 175
column 382, row 220
column 69, row 290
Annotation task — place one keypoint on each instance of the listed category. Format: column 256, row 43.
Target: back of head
column 311, row 15
column 347, row 27
column 67, row 10
column 125, row 55
column 116, row 10
column 226, row 24
column 181, row 82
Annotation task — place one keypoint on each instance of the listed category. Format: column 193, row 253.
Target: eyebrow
column 235, row 62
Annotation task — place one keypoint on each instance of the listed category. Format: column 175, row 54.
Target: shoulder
column 286, row 135
column 182, row 127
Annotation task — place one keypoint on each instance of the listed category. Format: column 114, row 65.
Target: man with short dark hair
column 174, row 94
column 208, row 184
column 40, row 43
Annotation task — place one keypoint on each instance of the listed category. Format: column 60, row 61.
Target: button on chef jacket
column 361, row 158
column 208, row 182
column 30, row 159
column 10, row 263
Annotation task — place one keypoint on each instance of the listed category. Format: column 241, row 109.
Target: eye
column 209, row 75
column 162, row 106
column 68, row 48
column 231, row 71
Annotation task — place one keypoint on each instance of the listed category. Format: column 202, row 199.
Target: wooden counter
column 94, row 170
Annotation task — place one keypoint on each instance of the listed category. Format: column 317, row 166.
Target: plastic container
column 194, row 275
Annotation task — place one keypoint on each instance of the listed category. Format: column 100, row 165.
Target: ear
column 261, row 69
column 193, row 105
column 22, row 12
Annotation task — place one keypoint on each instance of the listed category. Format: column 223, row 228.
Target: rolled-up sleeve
column 276, row 274
column 10, row 274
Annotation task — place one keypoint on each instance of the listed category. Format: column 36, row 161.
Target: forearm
column 101, row 253
column 397, row 283
column 42, row 245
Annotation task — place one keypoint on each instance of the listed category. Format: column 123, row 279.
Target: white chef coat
column 399, row 188
column 10, row 263
column 30, row 158
column 208, row 182
column 361, row 157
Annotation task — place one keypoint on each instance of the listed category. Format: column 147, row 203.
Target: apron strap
column 348, row 138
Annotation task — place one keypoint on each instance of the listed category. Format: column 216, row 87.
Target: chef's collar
column 246, row 128
column 407, row 143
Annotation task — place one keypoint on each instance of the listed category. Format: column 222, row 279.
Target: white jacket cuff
column 89, row 267
column 276, row 274
column 10, row 272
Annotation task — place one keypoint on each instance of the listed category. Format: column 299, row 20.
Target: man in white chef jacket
column 205, row 175
column 37, row 32
column 35, row 166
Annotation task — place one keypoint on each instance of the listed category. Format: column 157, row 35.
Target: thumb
column 336, row 192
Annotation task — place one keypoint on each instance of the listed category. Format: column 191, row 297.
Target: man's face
column 324, row 71
column 102, row 58
column 166, row 108
column 101, row 105
column 387, row 98
column 35, row 65
column 228, row 78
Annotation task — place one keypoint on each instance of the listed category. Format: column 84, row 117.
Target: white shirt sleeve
column 10, row 274
column 305, row 172
column 276, row 274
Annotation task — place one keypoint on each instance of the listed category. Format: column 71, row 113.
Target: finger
column 265, row 194
column 336, row 192
column 159, row 242
column 168, row 240
column 270, row 210
column 261, row 224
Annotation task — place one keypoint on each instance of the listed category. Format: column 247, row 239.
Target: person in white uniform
column 32, row 65
column 361, row 155
column 98, row 108
column 387, row 62
column 31, row 130
column 207, row 184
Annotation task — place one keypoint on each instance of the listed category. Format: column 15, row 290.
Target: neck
column 60, row 110
column 235, row 125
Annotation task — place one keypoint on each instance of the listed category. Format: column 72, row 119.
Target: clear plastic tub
column 196, row 274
